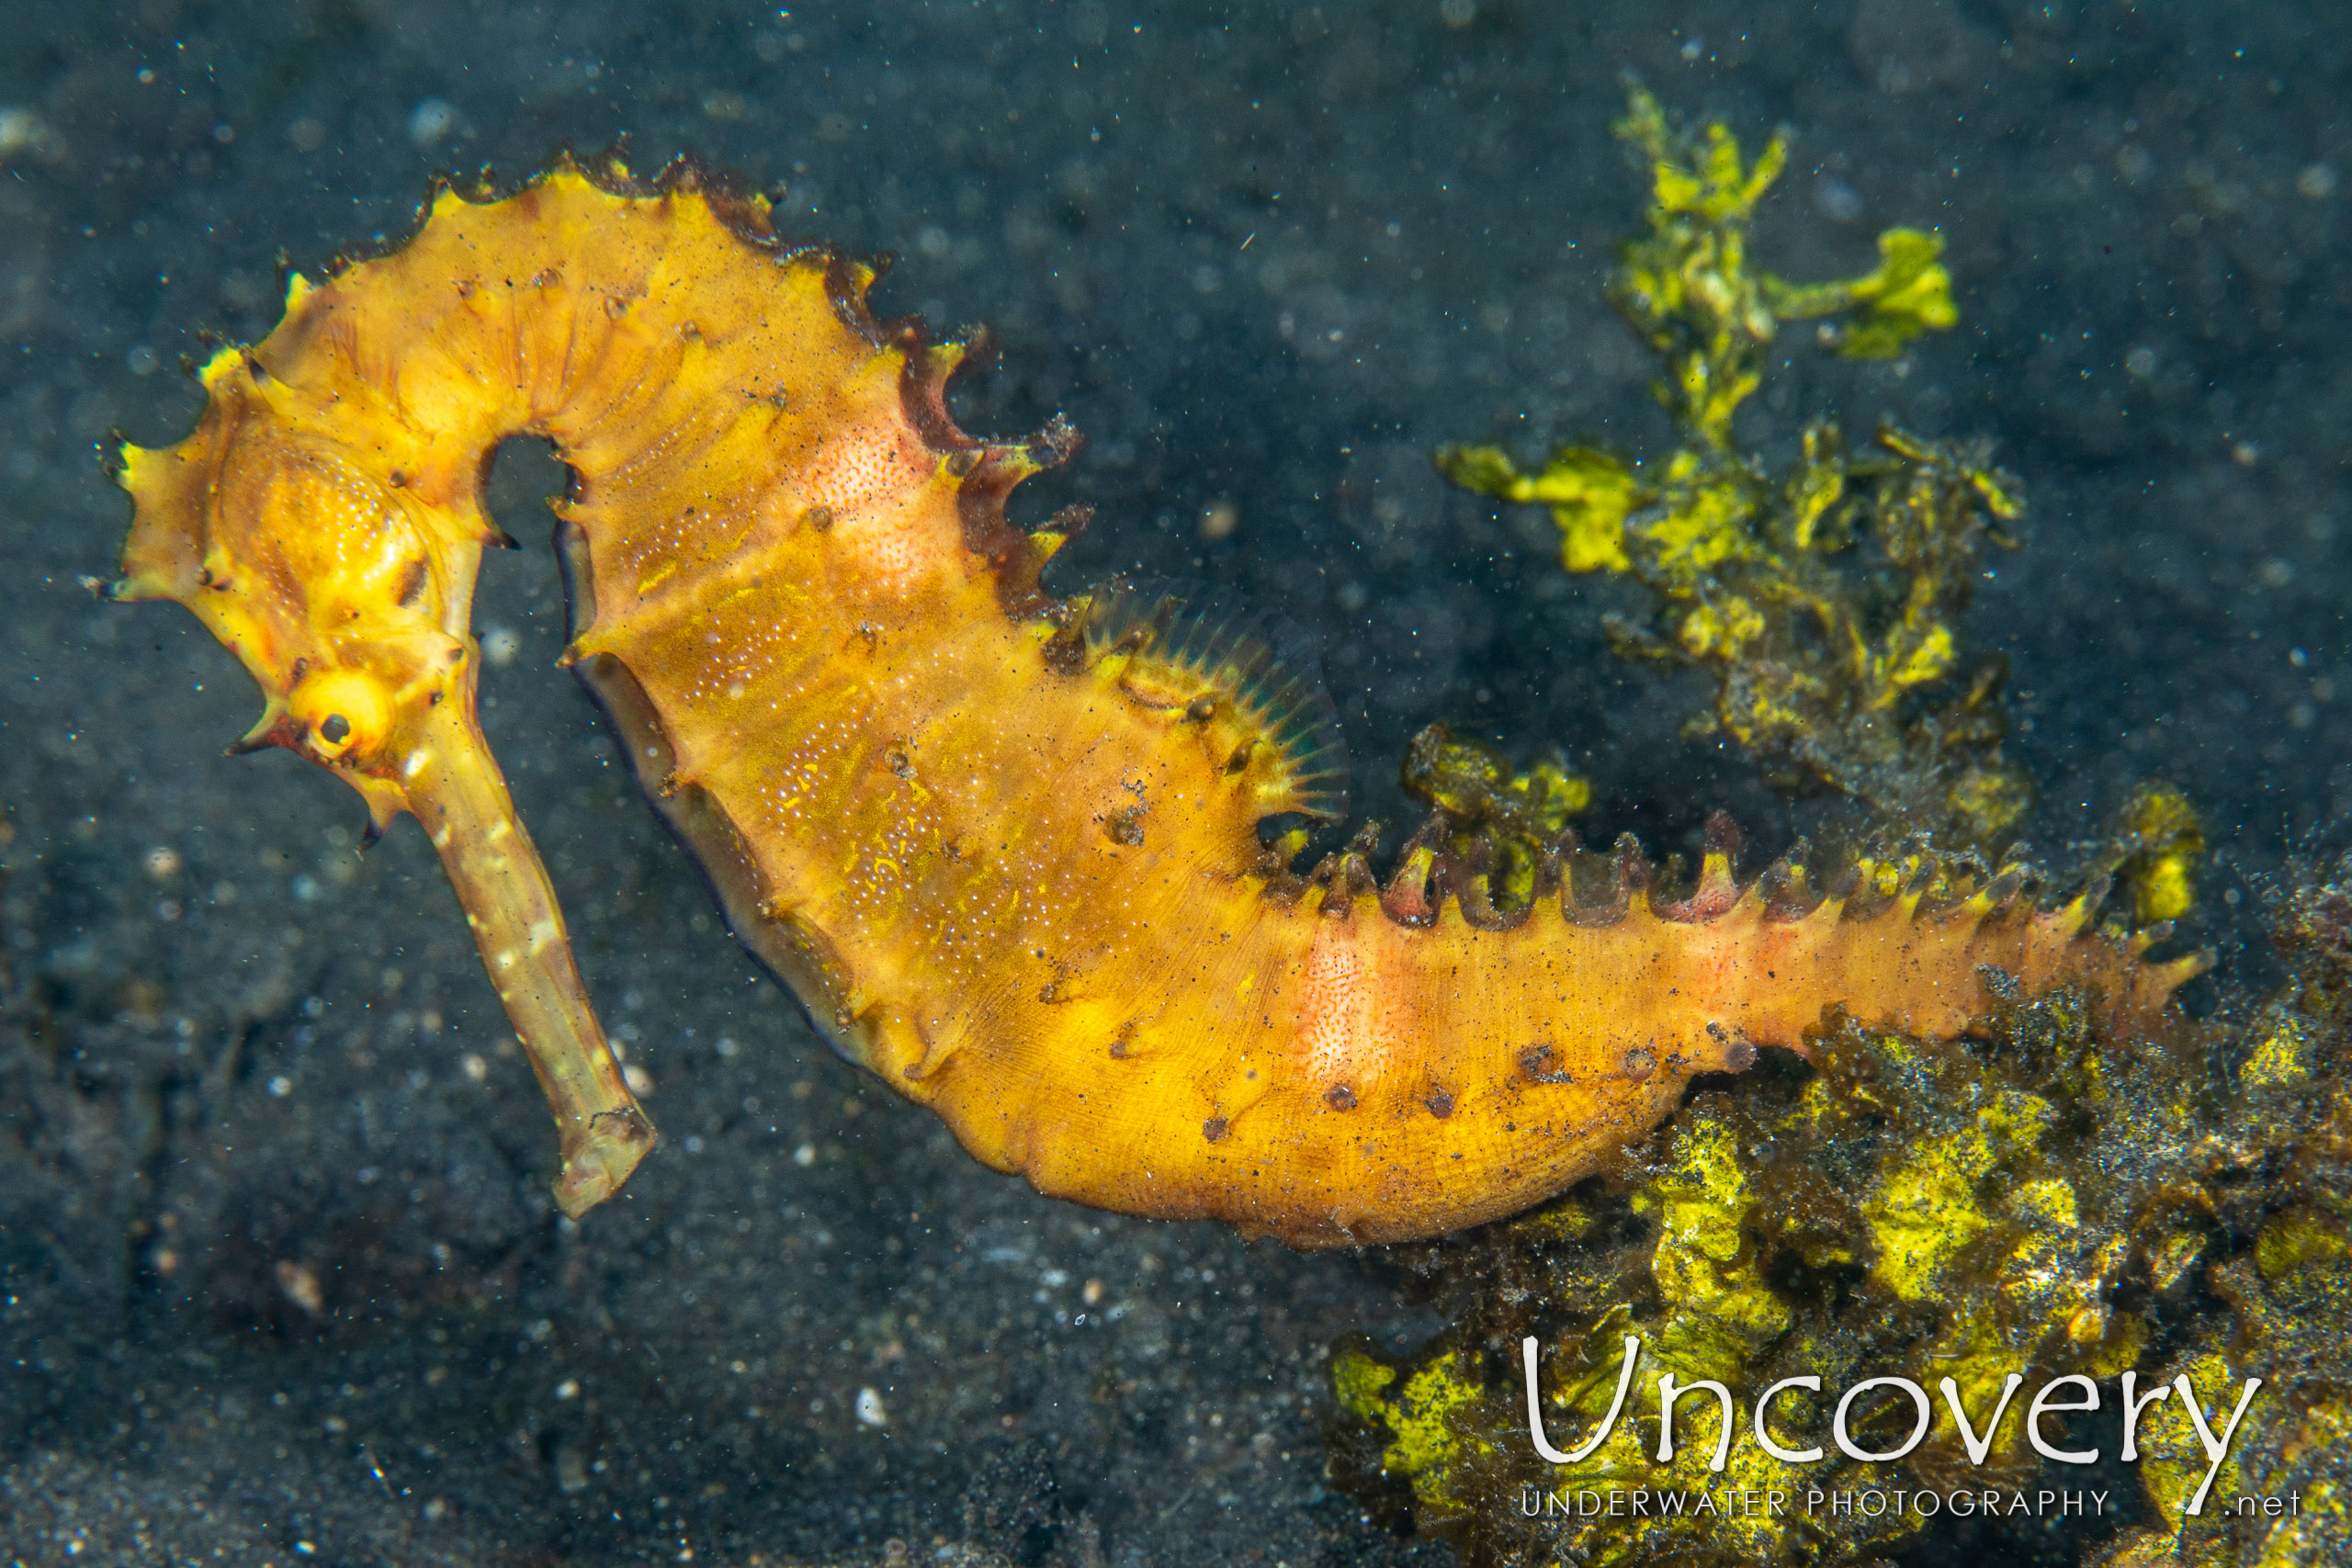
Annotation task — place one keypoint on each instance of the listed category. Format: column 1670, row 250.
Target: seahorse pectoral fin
column 1245, row 683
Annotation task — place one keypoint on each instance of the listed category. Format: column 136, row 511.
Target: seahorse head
column 329, row 582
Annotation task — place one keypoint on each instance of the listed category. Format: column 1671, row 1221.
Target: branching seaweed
column 1825, row 601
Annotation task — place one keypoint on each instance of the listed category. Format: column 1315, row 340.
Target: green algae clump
column 1504, row 824
column 1822, row 600
column 2163, row 842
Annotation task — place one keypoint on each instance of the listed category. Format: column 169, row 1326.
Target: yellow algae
column 2165, row 842
column 1822, row 601
column 1926, row 1210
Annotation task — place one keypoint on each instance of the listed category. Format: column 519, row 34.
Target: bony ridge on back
column 1004, row 847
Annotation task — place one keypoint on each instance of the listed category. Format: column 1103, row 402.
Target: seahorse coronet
column 1004, row 847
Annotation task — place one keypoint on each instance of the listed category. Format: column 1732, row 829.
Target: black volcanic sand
column 282, row 1284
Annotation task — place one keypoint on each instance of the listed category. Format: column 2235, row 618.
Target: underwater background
column 282, row 1282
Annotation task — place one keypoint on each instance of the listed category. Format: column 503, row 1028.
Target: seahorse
column 1005, row 846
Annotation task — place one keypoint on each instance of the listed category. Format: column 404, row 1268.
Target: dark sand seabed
column 281, row 1281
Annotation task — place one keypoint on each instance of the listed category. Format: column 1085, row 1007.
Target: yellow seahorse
column 1005, row 848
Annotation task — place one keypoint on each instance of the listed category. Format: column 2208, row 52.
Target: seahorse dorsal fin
column 1206, row 657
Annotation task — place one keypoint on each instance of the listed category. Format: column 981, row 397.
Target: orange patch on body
column 861, row 476
column 1341, row 1041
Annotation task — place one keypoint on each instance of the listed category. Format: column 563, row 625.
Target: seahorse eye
column 346, row 711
